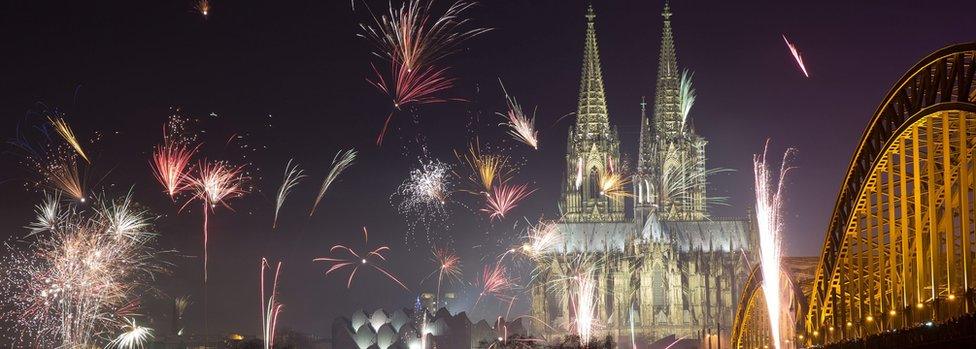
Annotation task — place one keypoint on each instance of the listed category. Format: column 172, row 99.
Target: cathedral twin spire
column 670, row 165
column 593, row 154
column 592, row 118
column 667, row 99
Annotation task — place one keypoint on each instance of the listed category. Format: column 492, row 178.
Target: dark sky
column 289, row 77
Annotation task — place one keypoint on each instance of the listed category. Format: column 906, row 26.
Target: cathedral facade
column 664, row 268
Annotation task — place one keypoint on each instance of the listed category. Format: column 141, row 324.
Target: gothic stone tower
column 594, row 148
column 673, row 270
column 670, row 179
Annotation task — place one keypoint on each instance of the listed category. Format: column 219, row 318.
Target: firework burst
column 293, row 176
column 448, row 266
column 496, row 282
column 170, row 162
column 504, row 198
column 486, row 169
column 202, row 7
column 521, row 126
column 133, row 336
column 584, row 305
column 214, row 184
column 541, row 239
column 573, row 280
column 769, row 219
column 79, row 277
column 355, row 260
column 422, row 197
column 412, row 40
column 340, row 163
column 49, row 213
column 613, row 184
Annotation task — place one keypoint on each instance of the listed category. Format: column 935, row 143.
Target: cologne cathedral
column 665, row 269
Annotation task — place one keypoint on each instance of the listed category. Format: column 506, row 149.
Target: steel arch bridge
column 899, row 247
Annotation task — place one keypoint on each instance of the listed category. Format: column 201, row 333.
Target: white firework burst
column 422, row 198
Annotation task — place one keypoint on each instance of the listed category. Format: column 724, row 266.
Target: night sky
column 288, row 77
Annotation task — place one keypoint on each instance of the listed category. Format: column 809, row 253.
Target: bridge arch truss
column 900, row 245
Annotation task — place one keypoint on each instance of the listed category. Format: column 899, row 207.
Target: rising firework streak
column 270, row 307
column 215, row 183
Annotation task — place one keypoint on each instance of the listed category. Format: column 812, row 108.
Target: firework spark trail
column 686, row 96
column 64, row 130
column 202, row 7
column 796, row 56
column 134, row 336
column 170, row 162
column 505, row 197
column 413, row 41
column 572, row 280
column 340, row 163
column 495, row 281
column 522, row 127
column 769, row 202
column 355, row 260
column 486, row 169
column 79, row 277
column 579, row 172
column 214, row 184
column 584, row 305
column 270, row 307
column 63, row 173
column 293, row 175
